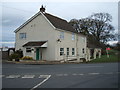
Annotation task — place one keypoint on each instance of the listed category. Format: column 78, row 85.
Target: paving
column 103, row 75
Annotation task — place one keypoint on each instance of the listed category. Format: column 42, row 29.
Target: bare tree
column 98, row 25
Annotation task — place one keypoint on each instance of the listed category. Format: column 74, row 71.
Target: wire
column 26, row 11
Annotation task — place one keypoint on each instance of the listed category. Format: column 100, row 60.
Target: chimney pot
column 42, row 9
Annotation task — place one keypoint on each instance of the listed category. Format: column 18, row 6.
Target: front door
column 37, row 54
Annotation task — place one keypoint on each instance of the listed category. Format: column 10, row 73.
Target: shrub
column 27, row 58
column 14, row 56
column 20, row 53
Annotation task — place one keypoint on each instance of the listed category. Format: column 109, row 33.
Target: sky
column 16, row 13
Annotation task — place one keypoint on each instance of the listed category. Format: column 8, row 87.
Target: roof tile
column 59, row 23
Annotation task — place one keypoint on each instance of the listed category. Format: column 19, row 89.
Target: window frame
column 22, row 35
column 61, row 51
column 73, row 36
column 83, row 50
column 28, row 50
column 83, row 38
column 68, row 51
column 62, row 35
column 73, row 51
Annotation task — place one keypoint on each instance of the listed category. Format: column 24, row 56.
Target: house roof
column 55, row 21
column 35, row 43
column 92, row 42
column 59, row 23
column 91, row 45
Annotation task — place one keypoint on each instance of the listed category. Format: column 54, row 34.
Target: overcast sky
column 16, row 13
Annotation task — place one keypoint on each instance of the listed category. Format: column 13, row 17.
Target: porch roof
column 35, row 43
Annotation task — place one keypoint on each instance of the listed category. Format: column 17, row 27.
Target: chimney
column 42, row 9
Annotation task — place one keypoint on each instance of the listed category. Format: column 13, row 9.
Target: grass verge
column 114, row 56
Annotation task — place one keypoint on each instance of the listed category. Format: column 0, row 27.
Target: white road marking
column 2, row 76
column 65, row 74
column 93, row 73
column 43, row 76
column 74, row 74
column 28, row 76
column 41, row 82
column 13, row 76
column 59, row 74
column 81, row 74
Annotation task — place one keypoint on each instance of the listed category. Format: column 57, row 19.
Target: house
column 92, row 52
column 93, row 49
column 47, row 37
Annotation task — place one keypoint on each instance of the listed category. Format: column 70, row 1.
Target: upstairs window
column 73, row 51
column 28, row 50
column 61, row 35
column 73, row 36
column 61, row 51
column 22, row 35
column 83, row 39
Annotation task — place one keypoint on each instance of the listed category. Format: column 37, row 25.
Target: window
column 67, row 51
column 73, row 36
column 61, row 35
column 83, row 50
column 61, row 51
column 22, row 35
column 28, row 50
column 73, row 51
column 83, row 39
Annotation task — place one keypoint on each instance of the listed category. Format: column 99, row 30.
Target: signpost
column 107, row 49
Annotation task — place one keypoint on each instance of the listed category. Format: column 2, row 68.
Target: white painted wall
column 41, row 30
column 67, row 42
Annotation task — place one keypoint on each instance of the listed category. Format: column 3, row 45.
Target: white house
column 47, row 37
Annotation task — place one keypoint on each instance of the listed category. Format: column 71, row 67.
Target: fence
column 4, row 55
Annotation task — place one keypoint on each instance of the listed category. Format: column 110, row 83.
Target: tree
column 117, row 47
column 97, row 25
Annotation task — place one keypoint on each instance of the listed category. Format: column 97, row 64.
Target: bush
column 20, row 53
column 14, row 56
column 26, row 58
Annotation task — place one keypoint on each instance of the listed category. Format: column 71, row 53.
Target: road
column 103, row 75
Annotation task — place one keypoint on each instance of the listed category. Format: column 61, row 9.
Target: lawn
column 113, row 57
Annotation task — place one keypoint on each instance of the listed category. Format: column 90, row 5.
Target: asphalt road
column 104, row 75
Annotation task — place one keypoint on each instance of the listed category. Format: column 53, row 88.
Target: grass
column 113, row 57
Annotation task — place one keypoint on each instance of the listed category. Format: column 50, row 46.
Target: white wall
column 41, row 30
column 67, row 42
